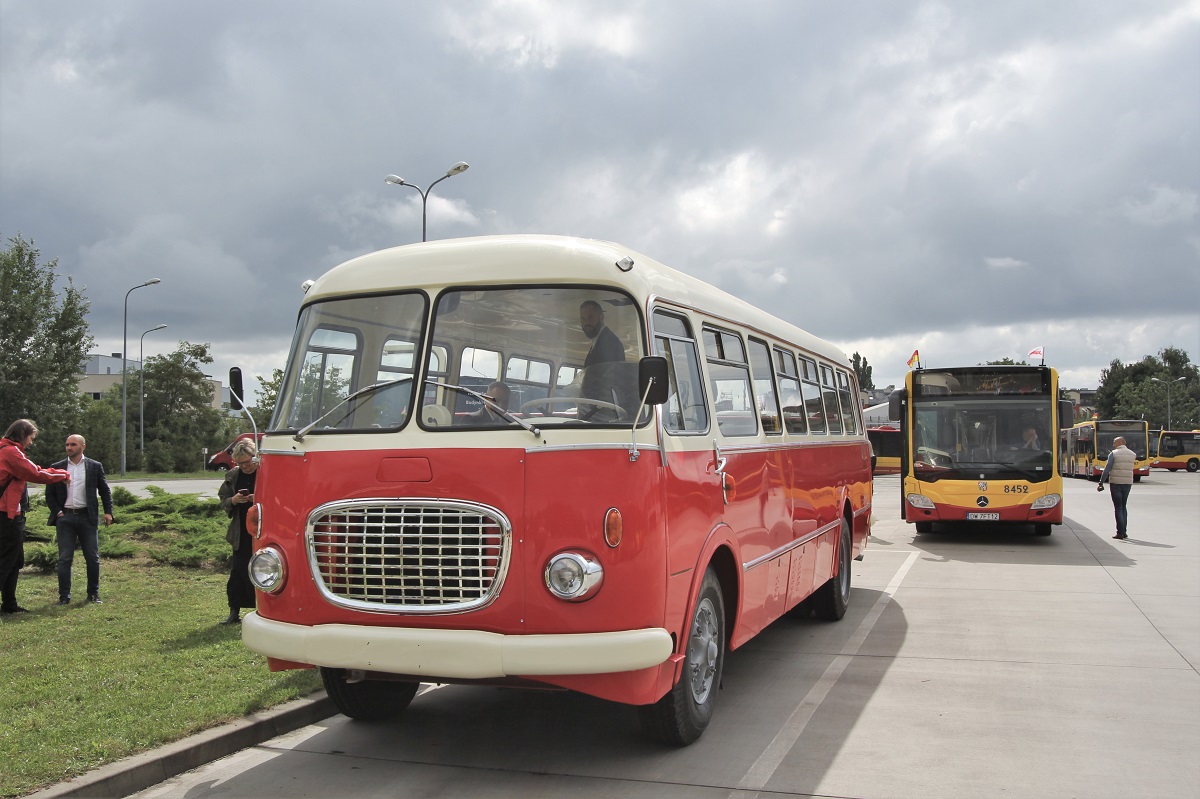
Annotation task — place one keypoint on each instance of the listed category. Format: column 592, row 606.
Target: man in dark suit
column 75, row 515
column 606, row 345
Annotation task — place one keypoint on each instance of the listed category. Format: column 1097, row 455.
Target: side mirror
column 1066, row 414
column 896, row 404
column 652, row 375
column 235, row 386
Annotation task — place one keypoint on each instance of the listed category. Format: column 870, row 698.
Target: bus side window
column 686, row 410
column 789, row 388
column 764, row 386
column 729, row 378
column 829, row 394
column 812, row 396
column 846, row 397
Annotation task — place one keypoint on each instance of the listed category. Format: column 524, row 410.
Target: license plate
column 983, row 517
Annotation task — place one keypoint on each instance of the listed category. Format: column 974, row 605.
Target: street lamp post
column 396, row 180
column 142, row 391
column 125, row 361
column 1169, row 383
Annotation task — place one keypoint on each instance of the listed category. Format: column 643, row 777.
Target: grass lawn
column 86, row 684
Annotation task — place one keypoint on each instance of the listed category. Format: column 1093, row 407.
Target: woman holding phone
column 237, row 497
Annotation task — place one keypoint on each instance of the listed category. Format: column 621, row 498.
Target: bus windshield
column 973, row 427
column 564, row 355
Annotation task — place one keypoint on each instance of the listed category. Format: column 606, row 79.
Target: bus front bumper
column 455, row 654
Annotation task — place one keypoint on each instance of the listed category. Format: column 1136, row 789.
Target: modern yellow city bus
column 1176, row 449
column 1084, row 448
column 979, row 446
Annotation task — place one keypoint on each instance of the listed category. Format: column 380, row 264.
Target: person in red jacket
column 15, row 471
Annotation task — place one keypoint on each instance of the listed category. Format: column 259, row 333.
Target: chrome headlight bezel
column 584, row 576
column 1046, row 502
column 920, row 501
column 268, row 570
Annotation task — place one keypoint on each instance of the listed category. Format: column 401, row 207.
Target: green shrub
column 122, row 497
column 42, row 557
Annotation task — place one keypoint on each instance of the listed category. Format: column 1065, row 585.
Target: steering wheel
column 621, row 415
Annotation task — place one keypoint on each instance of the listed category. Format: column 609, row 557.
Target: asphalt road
column 971, row 663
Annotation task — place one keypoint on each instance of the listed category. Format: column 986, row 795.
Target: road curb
column 140, row 771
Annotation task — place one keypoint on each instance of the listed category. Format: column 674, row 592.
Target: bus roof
column 530, row 258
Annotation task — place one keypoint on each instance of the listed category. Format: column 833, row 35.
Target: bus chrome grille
column 408, row 555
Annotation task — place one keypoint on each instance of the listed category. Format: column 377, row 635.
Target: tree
column 43, row 342
column 1140, row 390
column 180, row 417
column 1007, row 362
column 265, row 397
column 863, row 371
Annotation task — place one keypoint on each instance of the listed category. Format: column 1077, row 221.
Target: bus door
column 750, row 482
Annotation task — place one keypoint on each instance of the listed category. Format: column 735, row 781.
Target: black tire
column 1193, row 465
column 924, row 527
column 369, row 700
column 221, row 467
column 1169, row 469
column 831, row 599
column 1043, row 529
column 1137, row 478
column 682, row 715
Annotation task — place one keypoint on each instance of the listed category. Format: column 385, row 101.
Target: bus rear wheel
column 831, row 599
column 680, row 717
column 1193, row 465
column 367, row 700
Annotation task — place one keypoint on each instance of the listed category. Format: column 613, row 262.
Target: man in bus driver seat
column 597, row 379
column 498, row 393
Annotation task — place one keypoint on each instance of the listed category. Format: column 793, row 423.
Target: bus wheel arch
column 680, row 717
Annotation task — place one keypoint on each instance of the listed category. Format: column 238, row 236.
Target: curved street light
column 1168, row 383
column 396, row 180
column 142, row 392
column 125, row 361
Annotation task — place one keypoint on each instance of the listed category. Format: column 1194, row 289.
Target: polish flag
column 1038, row 352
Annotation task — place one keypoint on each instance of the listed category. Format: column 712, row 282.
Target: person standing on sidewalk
column 237, row 497
column 15, row 471
column 75, row 516
column 1118, row 471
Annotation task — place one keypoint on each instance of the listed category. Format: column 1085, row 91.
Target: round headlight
column 267, row 570
column 572, row 576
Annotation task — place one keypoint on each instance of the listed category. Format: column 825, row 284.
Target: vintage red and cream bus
column 549, row 462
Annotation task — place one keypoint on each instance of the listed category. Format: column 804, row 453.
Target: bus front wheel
column 924, row 527
column 1193, row 465
column 367, row 700
column 1043, row 529
column 680, row 717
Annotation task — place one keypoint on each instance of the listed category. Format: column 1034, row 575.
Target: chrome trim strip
column 457, row 654
column 788, row 547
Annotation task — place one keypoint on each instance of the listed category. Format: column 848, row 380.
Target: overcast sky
column 973, row 179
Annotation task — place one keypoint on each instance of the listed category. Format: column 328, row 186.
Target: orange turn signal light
column 614, row 527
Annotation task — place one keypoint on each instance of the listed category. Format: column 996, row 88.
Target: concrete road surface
column 971, row 664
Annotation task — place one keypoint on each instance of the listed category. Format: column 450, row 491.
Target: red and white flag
column 1038, row 352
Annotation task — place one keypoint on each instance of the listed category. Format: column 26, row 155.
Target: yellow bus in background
column 979, row 445
column 886, row 444
column 1085, row 447
column 1176, row 449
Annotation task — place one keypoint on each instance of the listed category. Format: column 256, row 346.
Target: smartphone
column 244, row 491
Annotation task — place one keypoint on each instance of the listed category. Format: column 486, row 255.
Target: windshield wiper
column 300, row 434
column 487, row 402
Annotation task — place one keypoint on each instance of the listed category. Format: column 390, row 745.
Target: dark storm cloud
column 977, row 179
